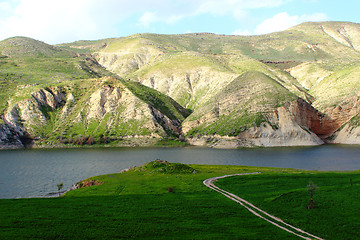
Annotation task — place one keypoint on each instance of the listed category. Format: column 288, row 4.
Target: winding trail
column 257, row 211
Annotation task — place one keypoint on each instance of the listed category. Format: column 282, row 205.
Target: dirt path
column 257, row 211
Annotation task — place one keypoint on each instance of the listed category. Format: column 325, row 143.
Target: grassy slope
column 343, row 83
column 160, row 101
column 329, row 83
column 249, row 110
column 137, row 204
column 188, row 77
column 112, row 124
column 284, row 195
column 290, row 45
column 28, row 65
column 334, row 78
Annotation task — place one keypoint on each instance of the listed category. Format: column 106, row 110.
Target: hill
column 20, row 47
column 295, row 87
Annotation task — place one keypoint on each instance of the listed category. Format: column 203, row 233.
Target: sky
column 63, row 21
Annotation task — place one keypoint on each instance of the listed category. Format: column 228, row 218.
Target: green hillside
column 255, row 93
column 186, row 85
column 27, row 65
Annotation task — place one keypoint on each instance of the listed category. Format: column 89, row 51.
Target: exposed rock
column 337, row 116
column 10, row 137
column 70, row 102
column 215, row 141
column 289, row 125
column 52, row 97
column 293, row 122
column 347, row 135
column 31, row 112
column 26, row 114
column 302, row 113
column 102, row 101
column 122, row 102
column 173, row 126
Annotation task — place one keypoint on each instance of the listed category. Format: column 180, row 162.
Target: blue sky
column 55, row 21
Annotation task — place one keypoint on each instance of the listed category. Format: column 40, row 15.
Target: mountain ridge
column 295, row 87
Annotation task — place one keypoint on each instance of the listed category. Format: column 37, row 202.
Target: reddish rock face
column 337, row 116
column 306, row 115
column 321, row 124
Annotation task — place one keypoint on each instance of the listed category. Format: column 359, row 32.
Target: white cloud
column 283, row 21
column 5, row 7
column 240, row 14
column 242, row 32
column 264, row 3
column 316, row 17
column 223, row 7
column 173, row 11
column 56, row 21
column 279, row 22
column 148, row 18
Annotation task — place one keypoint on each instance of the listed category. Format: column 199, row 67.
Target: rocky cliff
column 108, row 111
column 289, row 125
column 11, row 137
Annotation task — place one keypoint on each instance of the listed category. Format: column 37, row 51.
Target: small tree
column 311, row 187
column 60, row 186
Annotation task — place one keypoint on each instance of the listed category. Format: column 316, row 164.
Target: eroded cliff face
column 293, row 124
column 119, row 105
column 296, row 123
column 102, row 101
column 24, row 118
column 336, row 117
column 10, row 137
column 346, row 135
column 341, row 123
column 30, row 113
column 289, row 125
column 104, row 111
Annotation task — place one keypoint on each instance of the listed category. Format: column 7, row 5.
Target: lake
column 36, row 172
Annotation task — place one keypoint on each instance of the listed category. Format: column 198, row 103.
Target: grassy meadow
column 169, row 201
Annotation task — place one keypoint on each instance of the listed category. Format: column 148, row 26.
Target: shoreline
column 225, row 147
column 75, row 186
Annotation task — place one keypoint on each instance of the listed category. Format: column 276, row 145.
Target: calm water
column 35, row 173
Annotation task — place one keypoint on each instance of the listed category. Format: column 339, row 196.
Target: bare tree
column 311, row 187
column 60, row 186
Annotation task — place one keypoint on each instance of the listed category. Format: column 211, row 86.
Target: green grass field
column 336, row 212
column 159, row 201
